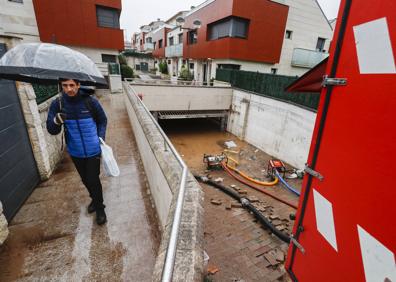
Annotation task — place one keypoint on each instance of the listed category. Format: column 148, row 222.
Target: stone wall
column 3, row 226
column 162, row 164
column 46, row 148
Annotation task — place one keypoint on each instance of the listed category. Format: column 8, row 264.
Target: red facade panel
column 265, row 34
column 71, row 22
column 160, row 35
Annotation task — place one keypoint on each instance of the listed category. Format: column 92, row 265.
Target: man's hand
column 60, row 118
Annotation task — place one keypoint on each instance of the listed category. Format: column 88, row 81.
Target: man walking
column 84, row 122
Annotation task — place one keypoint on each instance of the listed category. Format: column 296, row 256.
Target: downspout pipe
column 248, row 205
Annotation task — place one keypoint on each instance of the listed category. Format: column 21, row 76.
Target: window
column 289, row 34
column 274, row 71
column 108, row 17
column 191, row 65
column 149, row 40
column 16, row 1
column 192, row 37
column 154, row 44
column 160, row 44
column 169, row 62
column 171, row 41
column 320, row 44
column 109, row 58
column 229, row 27
column 229, row 66
column 180, row 38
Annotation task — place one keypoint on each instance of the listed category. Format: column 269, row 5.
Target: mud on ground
column 240, row 249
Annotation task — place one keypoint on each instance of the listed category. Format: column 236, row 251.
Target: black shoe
column 91, row 207
column 101, row 217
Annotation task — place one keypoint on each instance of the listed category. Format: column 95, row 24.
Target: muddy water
column 233, row 239
column 195, row 137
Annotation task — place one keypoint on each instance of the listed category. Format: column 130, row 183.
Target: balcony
column 174, row 51
column 305, row 58
column 148, row 46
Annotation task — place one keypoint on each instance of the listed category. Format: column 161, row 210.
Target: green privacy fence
column 44, row 92
column 268, row 85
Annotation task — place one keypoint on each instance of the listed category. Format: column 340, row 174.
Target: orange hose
column 244, row 175
column 255, row 187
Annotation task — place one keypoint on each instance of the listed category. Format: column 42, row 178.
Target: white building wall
column 19, row 20
column 307, row 22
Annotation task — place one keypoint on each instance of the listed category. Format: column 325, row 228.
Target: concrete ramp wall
column 184, row 98
column 164, row 174
column 280, row 129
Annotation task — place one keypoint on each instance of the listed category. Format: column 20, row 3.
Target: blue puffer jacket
column 82, row 131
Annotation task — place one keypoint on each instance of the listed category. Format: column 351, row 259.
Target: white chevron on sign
column 378, row 261
column 374, row 48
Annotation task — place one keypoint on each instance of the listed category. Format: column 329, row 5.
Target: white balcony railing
column 174, row 51
column 148, row 46
column 307, row 58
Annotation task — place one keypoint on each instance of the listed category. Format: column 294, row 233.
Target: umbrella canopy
column 47, row 63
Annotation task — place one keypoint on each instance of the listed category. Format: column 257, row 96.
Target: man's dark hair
column 66, row 79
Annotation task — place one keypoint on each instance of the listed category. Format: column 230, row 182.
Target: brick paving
column 237, row 245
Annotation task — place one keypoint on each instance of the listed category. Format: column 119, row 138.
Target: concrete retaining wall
column 184, row 98
column 280, row 129
column 163, row 173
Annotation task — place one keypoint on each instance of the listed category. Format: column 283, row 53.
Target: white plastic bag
column 109, row 162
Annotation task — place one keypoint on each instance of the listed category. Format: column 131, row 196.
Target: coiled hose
column 260, row 189
column 286, row 184
column 246, row 204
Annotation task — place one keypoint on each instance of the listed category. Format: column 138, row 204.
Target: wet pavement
column 240, row 249
column 53, row 238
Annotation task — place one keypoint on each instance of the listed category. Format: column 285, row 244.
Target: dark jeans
column 89, row 170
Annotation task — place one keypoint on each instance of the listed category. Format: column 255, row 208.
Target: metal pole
column 171, row 251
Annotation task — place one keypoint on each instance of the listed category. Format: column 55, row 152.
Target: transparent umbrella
column 47, row 63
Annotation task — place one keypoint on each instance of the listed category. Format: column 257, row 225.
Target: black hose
column 246, row 204
column 264, row 221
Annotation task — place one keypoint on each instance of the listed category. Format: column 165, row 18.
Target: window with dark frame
column 180, row 38
column 108, row 17
column 320, row 44
column 169, row 62
column 16, row 1
column 191, row 65
column 171, row 41
column 228, row 27
column 274, row 71
column 106, row 58
column 192, row 37
column 229, row 66
column 289, row 34
column 160, row 44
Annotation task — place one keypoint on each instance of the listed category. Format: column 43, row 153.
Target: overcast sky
column 136, row 13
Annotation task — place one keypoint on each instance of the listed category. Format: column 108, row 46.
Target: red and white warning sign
column 345, row 221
